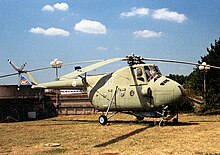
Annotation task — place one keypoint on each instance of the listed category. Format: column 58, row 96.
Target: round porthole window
column 132, row 93
column 122, row 93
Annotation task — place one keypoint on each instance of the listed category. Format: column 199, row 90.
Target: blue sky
column 36, row 32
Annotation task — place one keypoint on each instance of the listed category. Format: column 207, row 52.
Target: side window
column 139, row 74
column 147, row 71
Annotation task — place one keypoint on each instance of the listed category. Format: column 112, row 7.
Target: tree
column 195, row 82
column 195, row 79
column 213, row 76
column 181, row 79
column 187, row 105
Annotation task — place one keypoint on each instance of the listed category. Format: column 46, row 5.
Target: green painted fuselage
column 134, row 88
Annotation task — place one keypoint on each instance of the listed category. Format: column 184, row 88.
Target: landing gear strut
column 175, row 120
column 103, row 118
column 166, row 117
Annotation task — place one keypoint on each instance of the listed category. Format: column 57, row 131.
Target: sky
column 36, row 32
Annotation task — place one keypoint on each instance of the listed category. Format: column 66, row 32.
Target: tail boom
column 73, row 83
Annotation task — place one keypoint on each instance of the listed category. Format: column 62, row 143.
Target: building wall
column 68, row 104
column 25, row 103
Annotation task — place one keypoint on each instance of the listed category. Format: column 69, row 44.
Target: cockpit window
column 151, row 72
column 157, row 70
column 147, row 71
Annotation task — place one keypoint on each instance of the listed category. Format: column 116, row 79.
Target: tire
column 175, row 121
column 161, row 123
column 139, row 118
column 103, row 119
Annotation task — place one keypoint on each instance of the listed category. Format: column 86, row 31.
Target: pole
column 204, row 67
column 204, row 95
column 56, row 73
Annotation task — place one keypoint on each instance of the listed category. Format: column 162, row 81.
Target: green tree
column 195, row 82
column 181, row 79
column 187, row 105
column 213, row 75
column 195, row 79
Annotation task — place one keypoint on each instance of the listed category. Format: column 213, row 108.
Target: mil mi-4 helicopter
column 138, row 89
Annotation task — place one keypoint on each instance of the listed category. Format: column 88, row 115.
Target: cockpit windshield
column 152, row 71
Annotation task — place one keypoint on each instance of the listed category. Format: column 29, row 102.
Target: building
column 31, row 104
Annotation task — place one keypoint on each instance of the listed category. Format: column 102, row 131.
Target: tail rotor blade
column 13, row 65
column 22, row 67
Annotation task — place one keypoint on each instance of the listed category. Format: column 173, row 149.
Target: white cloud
column 57, row 6
column 136, row 12
column 100, row 48
column 147, row 34
column 165, row 14
column 89, row 26
column 50, row 31
column 48, row 8
column 61, row 6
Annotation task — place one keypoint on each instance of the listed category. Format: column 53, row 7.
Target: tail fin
column 33, row 81
column 24, row 81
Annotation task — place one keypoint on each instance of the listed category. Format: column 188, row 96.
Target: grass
column 55, row 151
column 82, row 134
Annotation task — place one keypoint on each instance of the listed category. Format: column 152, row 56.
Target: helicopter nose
column 177, row 93
column 168, row 92
column 176, row 90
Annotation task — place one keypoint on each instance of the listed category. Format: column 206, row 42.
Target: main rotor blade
column 7, row 75
column 90, row 68
column 38, row 69
column 81, row 62
column 19, row 71
column 67, row 64
column 178, row 61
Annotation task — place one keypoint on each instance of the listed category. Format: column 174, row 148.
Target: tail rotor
column 18, row 70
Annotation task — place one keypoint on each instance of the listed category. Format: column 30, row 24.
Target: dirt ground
column 82, row 134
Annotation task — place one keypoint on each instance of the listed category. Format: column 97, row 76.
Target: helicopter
column 138, row 89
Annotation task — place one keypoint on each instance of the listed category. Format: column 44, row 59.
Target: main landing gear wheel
column 103, row 119
column 139, row 118
column 175, row 121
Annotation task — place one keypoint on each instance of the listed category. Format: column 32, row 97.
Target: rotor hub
column 134, row 60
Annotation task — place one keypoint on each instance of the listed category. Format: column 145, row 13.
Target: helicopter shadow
column 181, row 124
column 146, row 124
column 127, row 122
column 122, row 137
column 152, row 123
